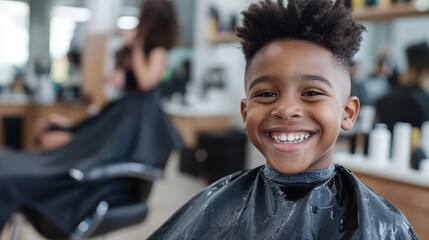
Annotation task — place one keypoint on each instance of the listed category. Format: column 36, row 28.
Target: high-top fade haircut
column 322, row 22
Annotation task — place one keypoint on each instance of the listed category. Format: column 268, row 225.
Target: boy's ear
column 350, row 113
column 243, row 109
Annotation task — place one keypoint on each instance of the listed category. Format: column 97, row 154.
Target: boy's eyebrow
column 265, row 78
column 310, row 77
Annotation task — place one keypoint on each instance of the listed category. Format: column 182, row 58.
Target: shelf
column 388, row 13
column 223, row 37
column 391, row 172
column 364, row 14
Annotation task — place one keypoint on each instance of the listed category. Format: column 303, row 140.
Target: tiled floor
column 167, row 196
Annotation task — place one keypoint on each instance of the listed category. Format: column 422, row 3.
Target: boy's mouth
column 291, row 137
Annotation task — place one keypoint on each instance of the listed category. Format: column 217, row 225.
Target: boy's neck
column 312, row 176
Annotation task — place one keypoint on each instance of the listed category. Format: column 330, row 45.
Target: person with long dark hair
column 132, row 129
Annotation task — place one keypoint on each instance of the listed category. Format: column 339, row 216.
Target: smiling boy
column 298, row 99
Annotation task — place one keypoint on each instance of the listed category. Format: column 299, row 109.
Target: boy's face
column 296, row 103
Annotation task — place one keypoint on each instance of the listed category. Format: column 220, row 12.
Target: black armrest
column 129, row 169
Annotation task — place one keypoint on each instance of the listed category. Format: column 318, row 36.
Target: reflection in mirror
column 66, row 43
column 66, row 29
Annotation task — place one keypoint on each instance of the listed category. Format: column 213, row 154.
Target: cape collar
column 313, row 176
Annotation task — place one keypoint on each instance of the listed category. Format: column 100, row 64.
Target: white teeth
column 289, row 138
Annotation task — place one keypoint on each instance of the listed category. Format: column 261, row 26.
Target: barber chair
column 105, row 217
column 101, row 180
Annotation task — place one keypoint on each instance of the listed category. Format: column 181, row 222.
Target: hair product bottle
column 379, row 144
column 401, row 148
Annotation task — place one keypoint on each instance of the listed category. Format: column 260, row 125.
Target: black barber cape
column 262, row 204
column 132, row 129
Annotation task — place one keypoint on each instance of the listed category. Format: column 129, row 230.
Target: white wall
column 397, row 34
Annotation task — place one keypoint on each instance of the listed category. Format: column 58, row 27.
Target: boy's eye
column 312, row 93
column 265, row 94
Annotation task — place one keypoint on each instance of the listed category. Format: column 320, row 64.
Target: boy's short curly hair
column 321, row 22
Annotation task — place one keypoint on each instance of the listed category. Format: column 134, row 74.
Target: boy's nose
column 287, row 108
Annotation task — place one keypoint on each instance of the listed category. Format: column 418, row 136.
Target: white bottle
column 401, row 148
column 379, row 144
column 45, row 93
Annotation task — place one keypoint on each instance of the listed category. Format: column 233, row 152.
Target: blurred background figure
column 409, row 100
column 384, row 75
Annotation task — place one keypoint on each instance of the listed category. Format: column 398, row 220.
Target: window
column 65, row 39
column 14, row 44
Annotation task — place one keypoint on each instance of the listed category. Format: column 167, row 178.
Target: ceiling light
column 127, row 22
